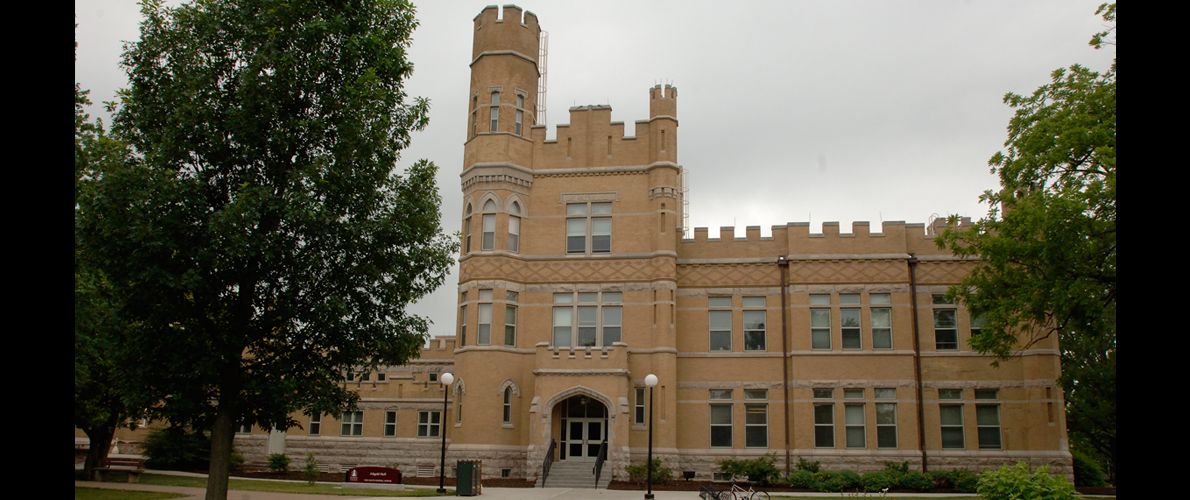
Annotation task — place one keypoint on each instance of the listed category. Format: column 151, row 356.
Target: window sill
column 506, row 426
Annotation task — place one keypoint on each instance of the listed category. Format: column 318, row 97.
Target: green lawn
column 106, row 494
column 282, row 487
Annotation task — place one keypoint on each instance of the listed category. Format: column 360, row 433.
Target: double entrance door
column 582, row 437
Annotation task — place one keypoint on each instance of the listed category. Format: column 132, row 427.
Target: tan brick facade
column 599, row 256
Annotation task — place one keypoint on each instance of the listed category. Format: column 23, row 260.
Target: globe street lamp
column 651, row 381
column 446, row 379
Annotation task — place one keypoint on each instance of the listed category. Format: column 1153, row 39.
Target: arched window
column 459, row 403
column 508, row 405
column 514, row 227
column 489, row 226
column 467, row 231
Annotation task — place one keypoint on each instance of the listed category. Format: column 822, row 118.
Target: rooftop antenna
column 543, row 52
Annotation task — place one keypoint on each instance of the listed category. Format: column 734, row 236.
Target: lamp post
column 651, row 381
column 446, row 379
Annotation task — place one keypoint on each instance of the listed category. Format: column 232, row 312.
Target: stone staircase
column 576, row 474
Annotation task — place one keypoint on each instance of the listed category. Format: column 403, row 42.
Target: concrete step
column 575, row 474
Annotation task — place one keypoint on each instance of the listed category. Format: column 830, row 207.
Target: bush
column 916, row 481
column 1012, row 482
column 278, row 462
column 236, row 461
column 1086, row 470
column 311, row 468
column 807, row 465
column 802, row 478
column 836, row 481
column 174, row 448
column 961, row 480
column 639, row 472
column 757, row 470
column 878, row 480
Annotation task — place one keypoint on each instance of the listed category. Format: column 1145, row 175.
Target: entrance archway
column 583, row 428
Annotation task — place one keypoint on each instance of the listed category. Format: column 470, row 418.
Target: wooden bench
column 134, row 465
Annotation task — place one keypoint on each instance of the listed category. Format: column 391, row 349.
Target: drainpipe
column 921, row 426
column 783, row 263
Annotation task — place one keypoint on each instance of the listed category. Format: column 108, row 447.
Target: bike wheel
column 760, row 495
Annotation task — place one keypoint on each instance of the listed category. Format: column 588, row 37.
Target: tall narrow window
column 588, row 311
column 495, row 111
column 987, row 419
column 467, row 231
column 520, row 113
column 352, row 423
column 824, row 418
column 946, row 336
column 756, row 418
column 563, row 320
column 510, row 320
column 484, row 333
column 886, row 417
column 638, row 409
column 881, row 321
column 613, row 318
column 951, row 418
column 315, row 424
column 977, row 324
column 489, row 226
column 849, row 322
column 719, row 317
column 755, row 318
column 514, row 227
column 463, row 323
column 390, row 423
column 458, row 403
column 474, row 114
column 508, row 405
column 854, row 418
column 720, row 418
column 820, row 321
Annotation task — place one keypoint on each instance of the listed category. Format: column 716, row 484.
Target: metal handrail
column 549, row 460
column 599, row 461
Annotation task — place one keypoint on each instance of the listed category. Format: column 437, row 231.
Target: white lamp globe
column 447, row 378
column 650, row 380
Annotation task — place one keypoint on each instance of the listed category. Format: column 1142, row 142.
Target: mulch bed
column 1097, row 490
column 340, row 477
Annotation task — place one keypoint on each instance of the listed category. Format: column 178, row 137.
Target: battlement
column 592, row 139
column 663, row 101
column 795, row 238
column 511, row 29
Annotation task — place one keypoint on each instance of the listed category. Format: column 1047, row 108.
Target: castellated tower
column 503, row 93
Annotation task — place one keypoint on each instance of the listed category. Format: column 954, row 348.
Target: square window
column 824, row 392
column 756, row 393
column 820, row 299
column 849, row 298
column 853, row 393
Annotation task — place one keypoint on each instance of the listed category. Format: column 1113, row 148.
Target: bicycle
column 739, row 493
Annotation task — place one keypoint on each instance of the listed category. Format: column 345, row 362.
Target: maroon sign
column 373, row 475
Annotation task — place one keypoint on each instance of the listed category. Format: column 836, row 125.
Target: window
column 365, row 376
column 315, row 424
column 951, row 417
column 467, row 231
column 820, row 322
column 824, row 425
column 514, row 227
column 352, row 423
column 599, row 318
column 520, row 113
column 350, row 376
column 886, row 418
column 987, row 419
column 977, row 324
column 484, row 333
column 721, row 394
column 945, row 334
column 754, row 321
column 495, row 111
column 881, row 321
column 244, row 428
column 849, row 320
column 589, row 227
column 510, row 320
column 638, row 410
column 721, row 425
column 508, row 405
column 428, row 423
column 854, row 414
column 756, row 419
column 390, row 423
column 458, row 403
column 381, row 376
column 433, row 377
column 474, row 113
column 720, row 323
column 824, row 393
column 488, row 242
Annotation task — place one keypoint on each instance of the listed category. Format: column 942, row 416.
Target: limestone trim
column 803, row 257
column 653, row 350
column 613, row 169
column 580, row 371
column 938, row 452
column 499, row 348
column 516, row 391
column 497, row 164
column 937, row 258
column 972, row 354
column 506, row 52
column 575, row 391
column 611, row 196
column 664, row 192
column 742, row 354
column 563, row 257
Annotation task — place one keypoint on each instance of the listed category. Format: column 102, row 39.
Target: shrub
column 916, row 481
column 836, row 481
column 758, row 470
column 1012, row 482
column 807, row 465
column 878, row 480
column 639, row 472
column 236, row 461
column 961, row 480
column 311, row 468
column 174, row 448
column 895, row 468
column 802, row 478
column 278, row 462
column 1086, row 470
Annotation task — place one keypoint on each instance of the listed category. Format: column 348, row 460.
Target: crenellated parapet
column 896, row 239
column 592, row 139
column 511, row 31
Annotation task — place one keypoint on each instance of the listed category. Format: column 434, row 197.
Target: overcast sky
column 789, row 111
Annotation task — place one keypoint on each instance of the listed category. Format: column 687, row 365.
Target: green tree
column 261, row 242
column 1047, row 247
column 99, row 398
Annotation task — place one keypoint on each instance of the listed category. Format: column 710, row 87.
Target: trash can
column 467, row 478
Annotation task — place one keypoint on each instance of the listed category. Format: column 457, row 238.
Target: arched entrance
column 583, row 427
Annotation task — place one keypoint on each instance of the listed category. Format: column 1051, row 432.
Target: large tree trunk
column 222, row 435
column 100, row 442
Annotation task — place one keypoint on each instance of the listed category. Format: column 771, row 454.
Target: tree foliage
column 1047, row 247
column 261, row 240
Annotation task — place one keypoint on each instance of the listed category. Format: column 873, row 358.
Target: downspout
column 783, row 263
column 921, row 426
